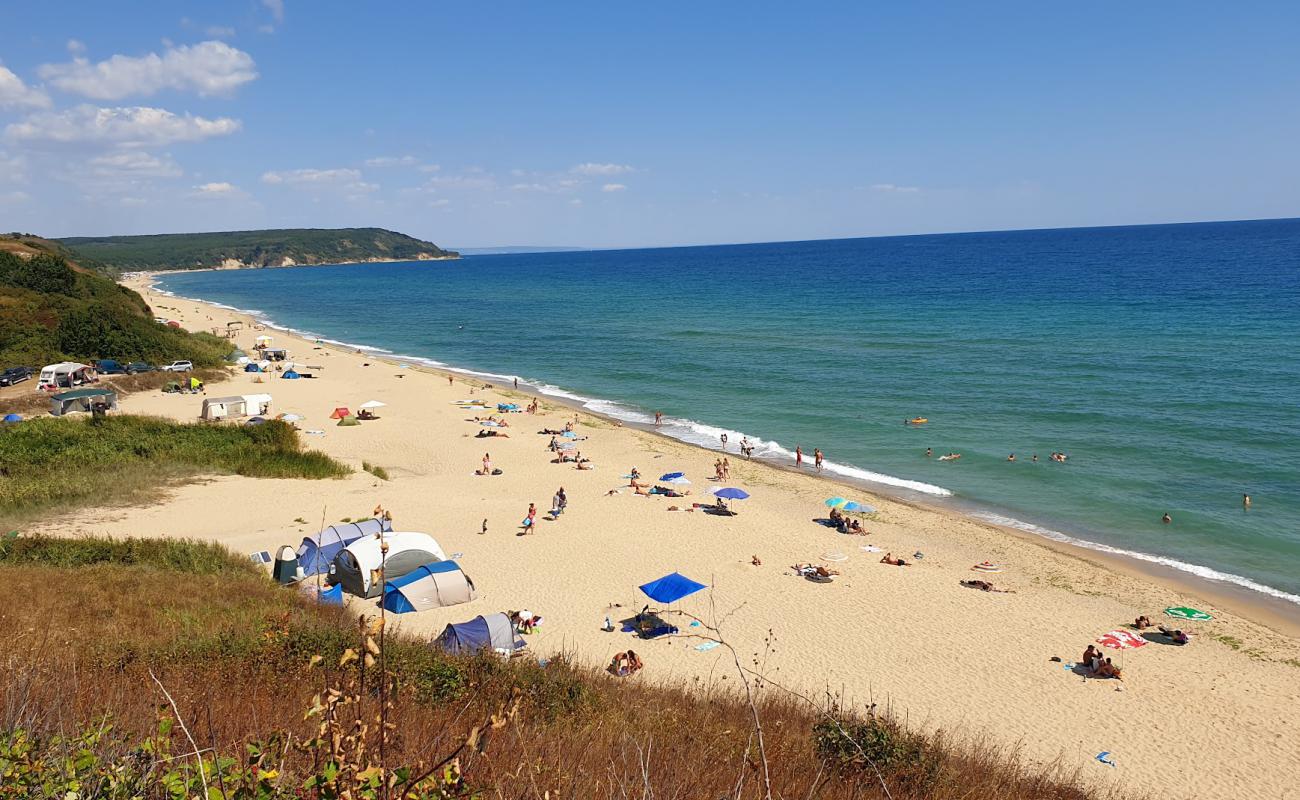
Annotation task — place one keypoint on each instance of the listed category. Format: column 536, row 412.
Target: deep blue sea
column 1165, row 360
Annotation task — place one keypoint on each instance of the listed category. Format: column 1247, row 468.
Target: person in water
column 1245, row 501
column 929, row 451
column 1166, row 519
column 1011, row 457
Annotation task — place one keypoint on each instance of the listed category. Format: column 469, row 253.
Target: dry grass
column 232, row 649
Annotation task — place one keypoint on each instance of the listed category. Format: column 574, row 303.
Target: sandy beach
column 1216, row 718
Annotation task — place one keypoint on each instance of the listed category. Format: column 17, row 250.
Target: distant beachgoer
column 1011, row 457
column 897, row 562
column 516, row 383
column 1166, row 519
column 1091, row 657
column 1035, row 458
column 484, row 527
column 929, row 451
column 818, row 458
column 1245, row 501
column 659, row 419
column 723, row 437
column 487, row 463
column 531, row 518
column 798, row 456
column 1142, row 623
column 726, row 469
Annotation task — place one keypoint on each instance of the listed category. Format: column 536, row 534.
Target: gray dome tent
column 356, row 567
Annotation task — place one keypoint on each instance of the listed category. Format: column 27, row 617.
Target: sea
column 1163, row 360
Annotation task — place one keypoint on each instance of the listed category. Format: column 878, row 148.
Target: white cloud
column 15, row 197
column 220, row 31
column 312, row 176
column 529, row 187
column 577, row 201
column 890, row 187
column 137, row 126
column 209, row 68
column 76, row 47
column 613, row 187
column 134, row 164
column 441, row 202
column 393, row 161
column 16, row 94
column 461, row 182
column 216, row 188
column 276, row 7
column 592, row 168
column 13, row 169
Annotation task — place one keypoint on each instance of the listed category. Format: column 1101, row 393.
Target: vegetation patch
column 60, row 461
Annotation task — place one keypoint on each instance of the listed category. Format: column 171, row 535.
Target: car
column 136, row 367
column 15, row 375
column 107, row 366
column 179, row 366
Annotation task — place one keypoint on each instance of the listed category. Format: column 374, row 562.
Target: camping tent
column 236, row 355
column 493, row 630
column 252, row 367
column 441, row 583
column 262, row 342
column 407, row 551
column 290, row 374
column 82, row 400
column 317, row 552
column 65, row 375
column 340, row 413
column 257, row 404
column 275, row 353
column 222, row 407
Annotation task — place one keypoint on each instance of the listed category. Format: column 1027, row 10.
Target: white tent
column 65, row 375
column 355, row 565
column 257, row 404
column 223, row 407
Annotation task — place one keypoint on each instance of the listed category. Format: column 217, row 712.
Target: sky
column 645, row 124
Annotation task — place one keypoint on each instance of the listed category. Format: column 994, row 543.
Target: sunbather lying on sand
column 897, row 562
column 486, row 434
column 985, row 586
column 585, row 464
column 1177, row 636
column 816, row 570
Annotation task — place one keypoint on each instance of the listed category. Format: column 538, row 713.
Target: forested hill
column 269, row 248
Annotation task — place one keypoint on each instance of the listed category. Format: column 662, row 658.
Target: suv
column 179, row 366
column 107, row 366
column 15, row 375
column 139, row 366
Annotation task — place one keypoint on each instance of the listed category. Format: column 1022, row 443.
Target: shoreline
column 1277, row 613
column 974, row 665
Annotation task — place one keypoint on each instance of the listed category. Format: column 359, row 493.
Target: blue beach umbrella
column 731, row 493
column 854, row 505
column 668, row 476
column 835, row 502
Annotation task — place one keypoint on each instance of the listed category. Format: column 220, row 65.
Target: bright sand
column 1217, row 718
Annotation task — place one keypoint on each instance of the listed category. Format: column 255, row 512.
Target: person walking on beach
column 450, row 380
column 484, row 526
column 487, row 463
column 516, row 383
column 531, row 518
column 798, row 456
column 723, row 437
column 817, row 458
column 659, row 419
column 726, row 469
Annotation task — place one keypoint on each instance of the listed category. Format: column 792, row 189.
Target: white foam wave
column 1182, row 566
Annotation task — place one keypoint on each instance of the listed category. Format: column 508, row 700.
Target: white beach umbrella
column 372, row 404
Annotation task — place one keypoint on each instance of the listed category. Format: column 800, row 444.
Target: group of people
column 1176, row 635
column 625, row 664
column 845, row 524
column 1099, row 667
column 722, row 469
column 819, row 458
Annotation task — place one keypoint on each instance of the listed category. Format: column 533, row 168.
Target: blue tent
column 317, row 552
column 251, row 367
column 13, row 418
column 671, row 588
column 332, row 596
column 290, row 375
column 440, row 583
column 493, row 631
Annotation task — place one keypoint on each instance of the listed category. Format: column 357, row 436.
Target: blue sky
column 635, row 124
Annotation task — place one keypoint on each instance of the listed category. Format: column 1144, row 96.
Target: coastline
column 1277, row 613
column 973, row 665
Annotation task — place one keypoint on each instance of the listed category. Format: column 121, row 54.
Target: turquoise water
column 1162, row 359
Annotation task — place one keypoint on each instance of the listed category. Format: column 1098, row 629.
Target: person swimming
column 1166, row 519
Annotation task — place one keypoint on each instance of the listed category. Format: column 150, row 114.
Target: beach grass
column 65, row 462
column 102, row 620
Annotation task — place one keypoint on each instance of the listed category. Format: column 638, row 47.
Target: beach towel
column 707, row 646
column 870, row 548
